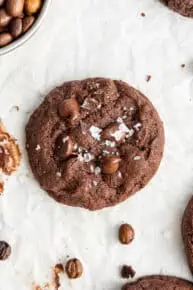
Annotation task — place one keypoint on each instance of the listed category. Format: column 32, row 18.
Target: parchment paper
column 110, row 38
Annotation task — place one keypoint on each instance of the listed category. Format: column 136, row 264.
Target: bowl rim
column 20, row 41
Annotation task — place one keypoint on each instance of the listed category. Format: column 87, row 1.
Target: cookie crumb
column 127, row 272
column 143, row 14
column 148, row 78
column 183, row 65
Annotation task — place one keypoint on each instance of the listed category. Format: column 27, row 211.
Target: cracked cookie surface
column 95, row 142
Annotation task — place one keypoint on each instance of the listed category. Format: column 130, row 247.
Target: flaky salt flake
column 137, row 126
column 88, row 157
column 95, row 132
column 110, row 143
column 105, row 152
column 131, row 109
column 119, row 174
column 38, row 147
column 92, row 168
column 58, row 174
column 95, row 183
column 119, row 120
column 97, row 170
column 85, row 104
column 137, row 158
column 75, row 147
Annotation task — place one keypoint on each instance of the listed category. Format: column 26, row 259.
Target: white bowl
column 22, row 39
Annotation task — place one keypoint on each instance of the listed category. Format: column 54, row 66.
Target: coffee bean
column 5, row 38
column 15, row 7
column 74, row 269
column 32, row 6
column 16, row 27
column 4, row 18
column 69, row 108
column 5, row 250
column 27, row 22
column 126, row 234
column 110, row 164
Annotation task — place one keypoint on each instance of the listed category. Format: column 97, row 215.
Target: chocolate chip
column 5, row 250
column 69, row 109
column 126, row 234
column 111, row 164
column 74, row 269
column 127, row 272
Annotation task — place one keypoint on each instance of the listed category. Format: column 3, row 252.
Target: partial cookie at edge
column 187, row 232
column 159, row 283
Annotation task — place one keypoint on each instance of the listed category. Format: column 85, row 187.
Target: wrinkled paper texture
column 85, row 38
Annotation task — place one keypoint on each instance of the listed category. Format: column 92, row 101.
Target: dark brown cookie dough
column 187, row 232
column 93, row 143
column 183, row 7
column 159, row 283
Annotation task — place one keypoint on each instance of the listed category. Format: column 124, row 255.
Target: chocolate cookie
column 93, row 143
column 159, row 283
column 183, row 7
column 187, row 232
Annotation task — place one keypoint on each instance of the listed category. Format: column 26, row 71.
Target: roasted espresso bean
column 5, row 38
column 32, row 6
column 27, row 22
column 16, row 27
column 4, row 18
column 15, row 7
column 126, row 234
column 74, row 269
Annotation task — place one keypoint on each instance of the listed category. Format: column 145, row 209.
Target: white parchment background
column 85, row 38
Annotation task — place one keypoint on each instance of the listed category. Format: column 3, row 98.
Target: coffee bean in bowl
column 19, row 19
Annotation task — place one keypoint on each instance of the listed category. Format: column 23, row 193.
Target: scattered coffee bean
column 15, row 7
column 5, row 38
column 32, row 6
column 110, row 164
column 5, row 250
column 126, row 234
column 74, row 269
column 16, row 27
column 69, row 108
column 127, row 272
column 27, row 23
column 4, row 18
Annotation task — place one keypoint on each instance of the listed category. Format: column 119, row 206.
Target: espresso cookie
column 159, row 283
column 183, row 7
column 187, row 232
column 93, row 143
